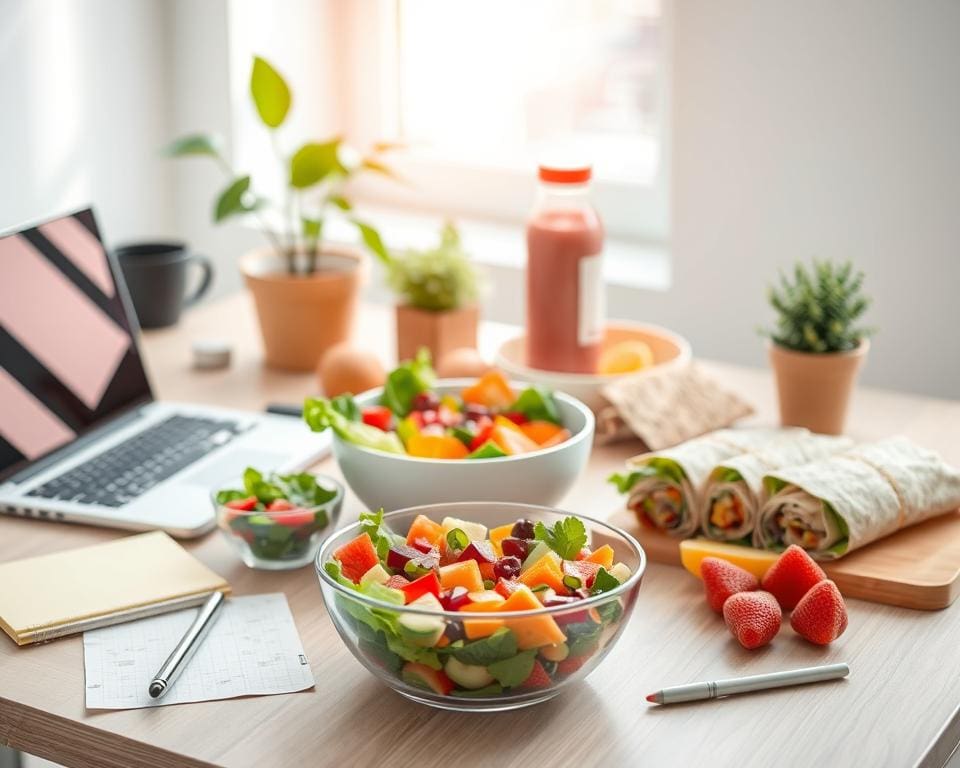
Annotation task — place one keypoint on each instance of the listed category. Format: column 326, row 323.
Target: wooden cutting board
column 918, row 567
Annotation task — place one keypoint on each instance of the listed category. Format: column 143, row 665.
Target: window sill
column 627, row 263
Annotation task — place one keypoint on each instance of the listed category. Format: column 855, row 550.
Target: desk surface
column 898, row 707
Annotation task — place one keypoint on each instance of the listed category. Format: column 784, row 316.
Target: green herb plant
column 436, row 279
column 314, row 178
column 819, row 308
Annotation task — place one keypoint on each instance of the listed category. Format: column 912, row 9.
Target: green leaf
column 383, row 538
column 502, row 644
column 256, row 485
column 407, row 381
column 230, row 494
column 582, row 637
column 373, row 241
column 513, row 671
column 340, row 202
column 312, row 228
column 231, row 200
column 270, row 93
column 566, row 538
column 319, row 415
column 302, row 489
column 314, row 162
column 409, row 652
column 478, row 693
column 346, row 405
column 195, row 144
column 537, row 404
column 604, row 581
column 489, row 450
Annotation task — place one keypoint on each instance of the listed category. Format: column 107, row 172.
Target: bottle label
column 592, row 309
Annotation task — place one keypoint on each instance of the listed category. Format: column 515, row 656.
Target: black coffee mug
column 156, row 276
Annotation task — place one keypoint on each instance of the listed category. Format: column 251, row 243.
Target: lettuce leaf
column 407, row 381
column 319, row 414
column 513, row 671
column 502, row 644
column 537, row 404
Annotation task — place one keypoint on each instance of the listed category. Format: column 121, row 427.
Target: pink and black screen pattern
column 67, row 357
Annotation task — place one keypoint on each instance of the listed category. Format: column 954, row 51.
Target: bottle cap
column 565, row 174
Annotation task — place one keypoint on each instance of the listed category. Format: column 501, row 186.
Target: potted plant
column 305, row 289
column 437, row 293
column 817, row 348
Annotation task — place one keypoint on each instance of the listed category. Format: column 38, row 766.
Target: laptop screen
column 67, row 354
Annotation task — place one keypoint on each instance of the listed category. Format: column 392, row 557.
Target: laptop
column 81, row 437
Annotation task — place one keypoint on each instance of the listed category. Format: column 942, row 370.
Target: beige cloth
column 665, row 407
column 875, row 489
column 794, row 449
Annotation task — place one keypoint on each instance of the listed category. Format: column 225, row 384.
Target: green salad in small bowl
column 277, row 522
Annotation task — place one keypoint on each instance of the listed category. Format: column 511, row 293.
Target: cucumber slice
column 536, row 553
column 467, row 675
column 420, row 630
column 620, row 572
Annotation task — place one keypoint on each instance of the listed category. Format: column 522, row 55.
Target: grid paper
column 253, row 648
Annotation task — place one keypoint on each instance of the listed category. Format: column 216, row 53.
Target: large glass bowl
column 372, row 628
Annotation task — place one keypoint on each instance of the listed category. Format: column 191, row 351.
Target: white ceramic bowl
column 668, row 348
column 395, row 481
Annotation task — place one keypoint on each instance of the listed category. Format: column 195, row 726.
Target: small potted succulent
column 305, row 289
column 437, row 294
column 817, row 347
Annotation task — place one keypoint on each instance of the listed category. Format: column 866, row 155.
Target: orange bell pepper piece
column 491, row 390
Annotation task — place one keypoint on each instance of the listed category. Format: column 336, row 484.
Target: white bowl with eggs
column 397, row 481
column 667, row 349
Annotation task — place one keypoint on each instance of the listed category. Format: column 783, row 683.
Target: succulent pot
column 300, row 315
column 439, row 331
column 814, row 388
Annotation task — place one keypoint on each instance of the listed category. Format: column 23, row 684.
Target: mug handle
column 204, row 263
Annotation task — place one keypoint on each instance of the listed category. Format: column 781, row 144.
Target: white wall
column 84, row 95
column 819, row 128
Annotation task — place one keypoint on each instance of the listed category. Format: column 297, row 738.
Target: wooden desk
column 898, row 708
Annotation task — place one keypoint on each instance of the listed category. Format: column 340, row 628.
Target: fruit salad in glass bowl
column 277, row 522
column 479, row 605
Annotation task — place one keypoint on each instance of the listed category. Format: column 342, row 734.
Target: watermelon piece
column 423, row 676
column 356, row 557
column 425, row 584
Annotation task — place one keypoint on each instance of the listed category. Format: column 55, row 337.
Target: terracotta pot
column 440, row 332
column 815, row 388
column 301, row 316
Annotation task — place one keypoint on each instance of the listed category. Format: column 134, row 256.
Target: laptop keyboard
column 131, row 468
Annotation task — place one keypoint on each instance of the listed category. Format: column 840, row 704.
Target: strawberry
column 792, row 576
column 820, row 616
column 538, row 677
column 722, row 579
column 752, row 617
column 570, row 665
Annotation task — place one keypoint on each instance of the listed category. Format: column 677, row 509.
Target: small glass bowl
column 386, row 638
column 279, row 541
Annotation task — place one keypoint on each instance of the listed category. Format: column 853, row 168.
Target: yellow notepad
column 66, row 592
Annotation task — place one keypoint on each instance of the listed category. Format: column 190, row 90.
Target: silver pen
column 180, row 656
column 711, row 690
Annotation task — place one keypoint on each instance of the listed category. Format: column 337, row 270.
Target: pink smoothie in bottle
column 565, row 299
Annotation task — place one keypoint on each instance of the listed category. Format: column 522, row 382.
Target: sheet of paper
column 253, row 648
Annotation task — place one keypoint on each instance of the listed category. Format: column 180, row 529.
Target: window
column 479, row 92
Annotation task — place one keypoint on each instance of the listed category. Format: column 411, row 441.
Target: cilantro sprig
column 566, row 538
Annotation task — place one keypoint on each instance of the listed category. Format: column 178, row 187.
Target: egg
column 463, row 362
column 346, row 368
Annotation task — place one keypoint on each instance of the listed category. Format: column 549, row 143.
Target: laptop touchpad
column 228, row 467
